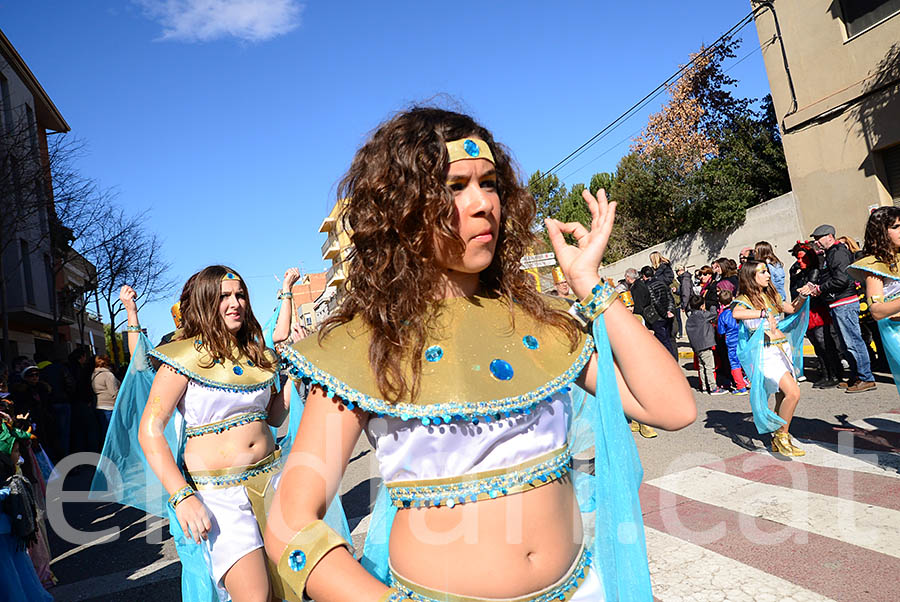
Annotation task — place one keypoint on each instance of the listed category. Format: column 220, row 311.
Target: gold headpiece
column 176, row 314
column 469, row 148
column 762, row 268
column 231, row 276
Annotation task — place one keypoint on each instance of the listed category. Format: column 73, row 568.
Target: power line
column 646, row 99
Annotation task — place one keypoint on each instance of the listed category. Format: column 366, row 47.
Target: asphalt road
column 140, row 562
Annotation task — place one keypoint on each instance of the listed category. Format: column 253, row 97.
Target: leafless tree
column 128, row 254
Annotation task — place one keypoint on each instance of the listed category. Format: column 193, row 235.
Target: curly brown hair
column 876, row 240
column 399, row 210
column 200, row 314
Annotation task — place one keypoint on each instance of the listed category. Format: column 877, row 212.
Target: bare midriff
column 238, row 446
column 496, row 548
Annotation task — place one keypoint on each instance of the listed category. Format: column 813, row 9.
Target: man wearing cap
column 838, row 289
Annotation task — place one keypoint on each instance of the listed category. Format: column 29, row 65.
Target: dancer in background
column 220, row 460
column 460, row 373
column 770, row 349
column 880, row 272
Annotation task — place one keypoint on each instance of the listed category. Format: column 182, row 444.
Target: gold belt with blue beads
column 230, row 477
column 488, row 484
column 562, row 590
column 224, row 425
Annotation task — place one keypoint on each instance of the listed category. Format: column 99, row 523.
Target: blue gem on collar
column 250, row 363
column 501, row 369
column 434, row 353
column 237, row 370
column 530, row 342
column 297, row 560
column 471, row 148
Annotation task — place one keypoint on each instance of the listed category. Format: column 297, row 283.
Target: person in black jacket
column 662, row 301
column 821, row 331
column 836, row 288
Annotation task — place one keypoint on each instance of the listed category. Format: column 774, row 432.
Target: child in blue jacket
column 728, row 327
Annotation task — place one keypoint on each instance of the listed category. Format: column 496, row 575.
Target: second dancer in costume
column 770, row 348
column 462, row 377
column 880, row 272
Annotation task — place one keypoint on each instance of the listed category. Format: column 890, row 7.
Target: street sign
column 538, row 261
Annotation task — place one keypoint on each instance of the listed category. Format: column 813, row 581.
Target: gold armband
column 876, row 299
column 305, row 551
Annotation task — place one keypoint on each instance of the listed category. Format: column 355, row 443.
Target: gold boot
column 646, row 431
column 782, row 444
column 635, row 426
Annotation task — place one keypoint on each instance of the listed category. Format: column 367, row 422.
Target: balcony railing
column 331, row 248
column 327, row 224
column 335, row 275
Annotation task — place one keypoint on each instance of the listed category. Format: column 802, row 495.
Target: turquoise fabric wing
column 890, row 340
column 750, row 352
column 123, row 474
column 619, row 549
column 375, row 550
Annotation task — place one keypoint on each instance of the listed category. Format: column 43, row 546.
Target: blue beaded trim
column 559, row 593
column 450, row 494
column 476, row 411
column 224, row 425
column 231, row 480
column 211, row 384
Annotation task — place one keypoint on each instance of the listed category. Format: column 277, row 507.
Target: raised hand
column 127, row 296
column 581, row 264
column 291, row 275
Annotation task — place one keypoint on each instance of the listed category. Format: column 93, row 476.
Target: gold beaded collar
column 190, row 358
column 474, row 365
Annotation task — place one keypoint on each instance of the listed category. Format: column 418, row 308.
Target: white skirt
column 777, row 361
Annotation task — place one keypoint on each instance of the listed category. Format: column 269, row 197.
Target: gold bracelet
column 876, row 299
column 134, row 328
column 597, row 301
column 305, row 551
column 181, row 495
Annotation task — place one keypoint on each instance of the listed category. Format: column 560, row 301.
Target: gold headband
column 230, row 276
column 469, row 148
column 762, row 268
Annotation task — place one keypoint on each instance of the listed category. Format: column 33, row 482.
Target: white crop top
column 891, row 288
column 205, row 405
column 411, row 451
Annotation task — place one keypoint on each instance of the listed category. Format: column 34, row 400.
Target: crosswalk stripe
column 829, row 455
column 862, row 487
column 870, row 527
column 887, row 422
column 680, row 570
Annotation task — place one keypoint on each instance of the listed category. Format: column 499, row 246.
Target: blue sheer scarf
column 610, row 494
column 751, row 345
column 124, row 476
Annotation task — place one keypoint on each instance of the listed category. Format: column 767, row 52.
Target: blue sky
column 232, row 120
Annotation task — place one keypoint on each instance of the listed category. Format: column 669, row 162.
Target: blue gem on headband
column 230, row 276
column 471, row 148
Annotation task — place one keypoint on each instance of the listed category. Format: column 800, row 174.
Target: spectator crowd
column 47, row 410
column 844, row 337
